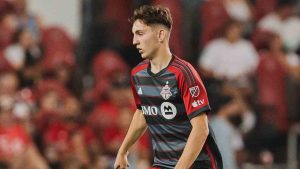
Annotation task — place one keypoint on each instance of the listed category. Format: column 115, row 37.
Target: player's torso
column 165, row 114
column 160, row 97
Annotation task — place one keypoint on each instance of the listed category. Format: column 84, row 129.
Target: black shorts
column 202, row 165
column 196, row 165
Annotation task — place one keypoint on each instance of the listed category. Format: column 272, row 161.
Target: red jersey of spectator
column 104, row 115
column 60, row 134
column 271, row 77
column 13, row 141
column 113, row 137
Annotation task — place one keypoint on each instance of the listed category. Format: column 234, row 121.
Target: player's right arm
column 136, row 129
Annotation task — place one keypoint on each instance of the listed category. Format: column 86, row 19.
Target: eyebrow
column 137, row 31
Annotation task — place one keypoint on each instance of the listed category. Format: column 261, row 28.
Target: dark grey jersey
column 169, row 100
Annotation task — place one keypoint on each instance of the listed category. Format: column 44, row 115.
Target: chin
column 144, row 56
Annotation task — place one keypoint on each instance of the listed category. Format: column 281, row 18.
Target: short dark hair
column 153, row 15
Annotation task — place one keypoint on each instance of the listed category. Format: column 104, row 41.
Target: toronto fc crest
column 166, row 92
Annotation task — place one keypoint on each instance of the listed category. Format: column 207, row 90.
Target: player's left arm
column 194, row 96
column 195, row 142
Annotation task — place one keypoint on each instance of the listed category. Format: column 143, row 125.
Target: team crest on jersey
column 166, row 92
column 195, row 91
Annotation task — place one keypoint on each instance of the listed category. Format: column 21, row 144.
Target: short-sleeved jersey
column 169, row 100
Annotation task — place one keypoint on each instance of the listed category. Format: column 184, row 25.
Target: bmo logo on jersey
column 150, row 110
column 168, row 110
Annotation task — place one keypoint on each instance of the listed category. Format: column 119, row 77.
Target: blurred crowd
column 46, row 120
column 52, row 116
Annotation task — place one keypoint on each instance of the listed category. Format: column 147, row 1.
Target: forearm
column 193, row 146
column 136, row 130
column 35, row 158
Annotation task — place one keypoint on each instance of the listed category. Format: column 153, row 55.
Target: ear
column 161, row 35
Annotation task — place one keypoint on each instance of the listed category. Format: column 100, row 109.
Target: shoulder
column 141, row 66
column 181, row 65
column 13, row 48
column 244, row 42
column 183, row 69
column 266, row 20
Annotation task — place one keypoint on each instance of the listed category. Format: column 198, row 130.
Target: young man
column 171, row 100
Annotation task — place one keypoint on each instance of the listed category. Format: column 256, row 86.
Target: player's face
column 145, row 39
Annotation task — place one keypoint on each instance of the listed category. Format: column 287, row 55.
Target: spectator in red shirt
column 16, row 147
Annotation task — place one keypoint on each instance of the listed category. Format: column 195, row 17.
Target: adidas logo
column 140, row 91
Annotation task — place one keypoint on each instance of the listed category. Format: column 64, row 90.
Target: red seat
column 271, row 90
column 5, row 7
column 115, row 15
column 7, row 30
column 260, row 38
column 213, row 16
column 54, row 58
column 107, row 63
column 55, row 38
column 4, row 64
column 262, row 7
column 5, row 38
column 47, row 85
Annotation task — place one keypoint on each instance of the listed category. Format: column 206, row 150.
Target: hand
column 121, row 162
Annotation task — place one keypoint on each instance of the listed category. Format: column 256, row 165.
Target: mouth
column 140, row 50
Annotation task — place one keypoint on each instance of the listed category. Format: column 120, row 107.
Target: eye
column 139, row 33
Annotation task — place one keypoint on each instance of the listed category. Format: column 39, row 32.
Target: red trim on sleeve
column 136, row 69
column 192, row 90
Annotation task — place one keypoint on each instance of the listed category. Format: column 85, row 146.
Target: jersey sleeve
column 134, row 92
column 193, row 92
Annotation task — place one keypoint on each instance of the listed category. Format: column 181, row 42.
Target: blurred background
column 65, row 97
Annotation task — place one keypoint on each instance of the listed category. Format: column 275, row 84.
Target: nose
column 135, row 41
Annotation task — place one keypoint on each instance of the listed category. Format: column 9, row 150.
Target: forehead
column 139, row 25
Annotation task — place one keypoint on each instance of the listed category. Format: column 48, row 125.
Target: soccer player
column 170, row 98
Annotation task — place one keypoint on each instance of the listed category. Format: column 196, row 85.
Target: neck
column 161, row 60
column 232, row 40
